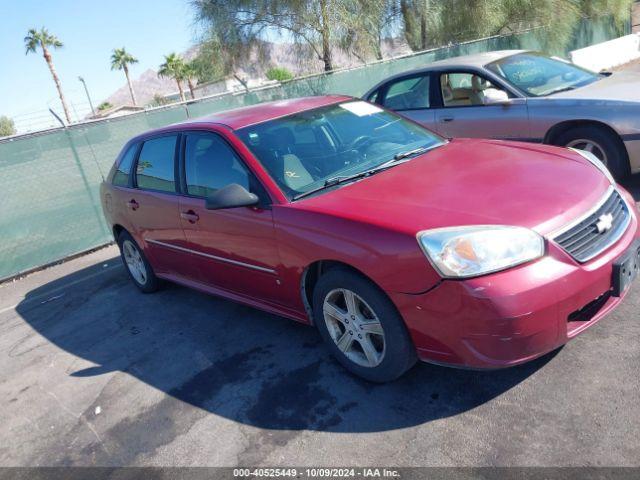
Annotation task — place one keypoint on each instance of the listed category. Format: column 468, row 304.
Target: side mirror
column 493, row 96
column 230, row 196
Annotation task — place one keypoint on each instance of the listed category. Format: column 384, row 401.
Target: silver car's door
column 462, row 110
column 410, row 96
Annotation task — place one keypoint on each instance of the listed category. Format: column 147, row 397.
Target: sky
column 89, row 30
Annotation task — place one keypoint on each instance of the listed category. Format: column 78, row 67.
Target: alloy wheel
column 134, row 262
column 354, row 327
column 589, row 146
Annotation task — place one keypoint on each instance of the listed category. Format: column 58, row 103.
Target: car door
column 153, row 205
column 236, row 247
column 460, row 111
column 409, row 96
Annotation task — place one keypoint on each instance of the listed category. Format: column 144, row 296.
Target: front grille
column 590, row 235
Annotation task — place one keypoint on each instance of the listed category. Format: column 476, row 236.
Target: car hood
column 619, row 86
column 471, row 182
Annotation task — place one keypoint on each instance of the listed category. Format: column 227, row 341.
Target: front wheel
column 361, row 326
column 601, row 143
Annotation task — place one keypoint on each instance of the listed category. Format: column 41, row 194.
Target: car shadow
column 238, row 362
column 632, row 184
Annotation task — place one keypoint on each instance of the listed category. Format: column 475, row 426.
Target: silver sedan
column 527, row 96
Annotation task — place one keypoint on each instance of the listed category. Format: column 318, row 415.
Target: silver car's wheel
column 354, row 327
column 589, row 146
column 134, row 262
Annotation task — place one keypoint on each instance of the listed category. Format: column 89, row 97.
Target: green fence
column 49, row 181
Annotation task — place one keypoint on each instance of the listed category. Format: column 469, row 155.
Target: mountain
column 146, row 86
column 298, row 59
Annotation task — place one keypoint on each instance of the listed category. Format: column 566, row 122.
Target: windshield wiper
column 559, row 90
column 410, row 153
column 333, row 181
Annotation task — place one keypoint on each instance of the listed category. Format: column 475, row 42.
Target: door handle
column 446, row 119
column 190, row 216
column 133, row 205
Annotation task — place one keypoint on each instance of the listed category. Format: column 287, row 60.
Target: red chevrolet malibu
column 395, row 243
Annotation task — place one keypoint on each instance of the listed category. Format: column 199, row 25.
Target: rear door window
column 155, row 169
column 408, row 94
column 121, row 177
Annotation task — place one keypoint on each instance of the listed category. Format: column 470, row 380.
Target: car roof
column 252, row 114
column 477, row 60
column 262, row 112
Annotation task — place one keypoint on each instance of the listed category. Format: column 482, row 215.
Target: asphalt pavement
column 93, row 372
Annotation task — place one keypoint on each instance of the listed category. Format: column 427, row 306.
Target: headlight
column 596, row 163
column 460, row 252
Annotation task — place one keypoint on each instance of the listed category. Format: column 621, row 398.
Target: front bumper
column 517, row 315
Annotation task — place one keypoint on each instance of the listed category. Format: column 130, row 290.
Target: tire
column 613, row 154
column 393, row 351
column 137, row 267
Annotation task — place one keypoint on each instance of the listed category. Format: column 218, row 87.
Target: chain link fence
column 49, row 181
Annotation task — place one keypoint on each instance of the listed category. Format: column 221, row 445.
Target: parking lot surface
column 92, row 372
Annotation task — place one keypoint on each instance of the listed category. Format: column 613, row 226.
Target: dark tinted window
column 408, row 94
column 155, row 169
column 121, row 177
column 211, row 164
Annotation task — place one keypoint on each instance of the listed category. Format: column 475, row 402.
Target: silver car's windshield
column 538, row 75
column 305, row 151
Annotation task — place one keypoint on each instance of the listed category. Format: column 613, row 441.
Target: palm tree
column 44, row 40
column 173, row 67
column 190, row 72
column 120, row 60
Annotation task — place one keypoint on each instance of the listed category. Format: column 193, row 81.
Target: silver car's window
column 464, row 89
column 408, row 94
column 538, row 75
column 303, row 150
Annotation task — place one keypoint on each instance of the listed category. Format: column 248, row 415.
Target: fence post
column 87, row 186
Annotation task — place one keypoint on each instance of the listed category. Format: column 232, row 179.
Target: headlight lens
column 460, row 252
column 596, row 162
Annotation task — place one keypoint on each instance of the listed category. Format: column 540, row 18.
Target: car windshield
column 538, row 75
column 304, row 151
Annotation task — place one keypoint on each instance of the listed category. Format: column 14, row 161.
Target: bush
column 280, row 74
column 7, row 127
column 104, row 106
column 158, row 101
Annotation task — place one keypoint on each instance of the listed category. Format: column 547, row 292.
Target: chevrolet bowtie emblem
column 605, row 223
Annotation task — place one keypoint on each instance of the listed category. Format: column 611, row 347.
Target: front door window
column 464, row 89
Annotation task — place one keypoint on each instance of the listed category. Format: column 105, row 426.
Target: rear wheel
column 361, row 326
column 136, row 263
column 601, row 143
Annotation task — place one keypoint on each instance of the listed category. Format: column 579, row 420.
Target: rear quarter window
column 121, row 176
